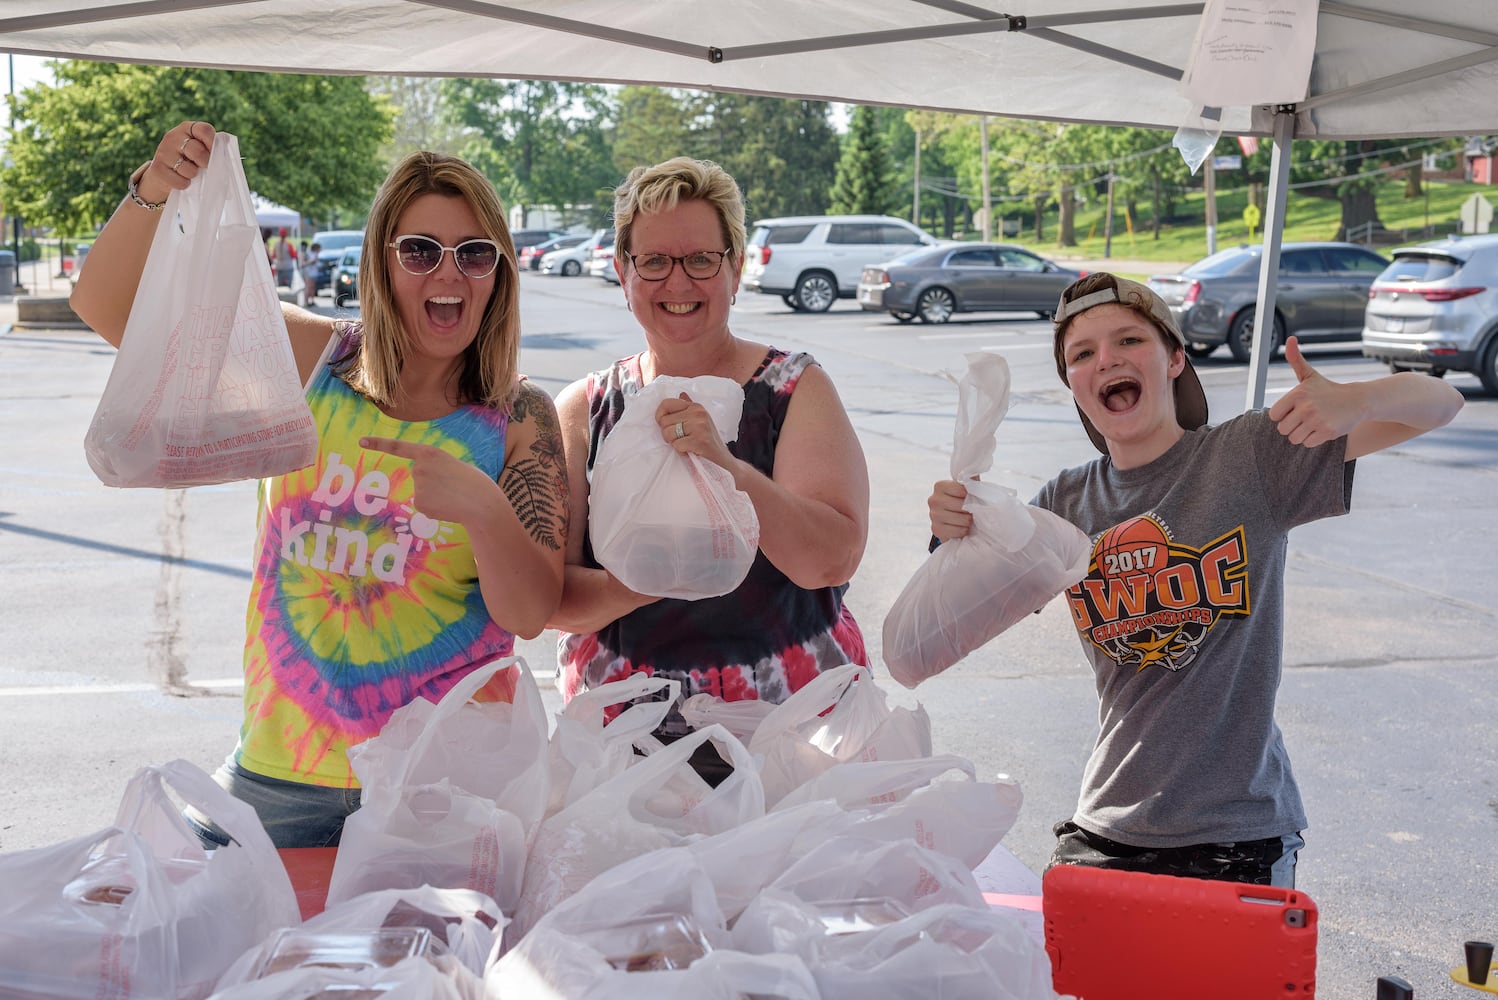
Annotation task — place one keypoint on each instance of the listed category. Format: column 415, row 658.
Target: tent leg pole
column 1274, row 229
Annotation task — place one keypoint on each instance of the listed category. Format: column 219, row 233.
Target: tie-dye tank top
column 764, row 640
column 359, row 602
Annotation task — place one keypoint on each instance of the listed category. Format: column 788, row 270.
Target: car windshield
column 1222, row 263
column 351, row 255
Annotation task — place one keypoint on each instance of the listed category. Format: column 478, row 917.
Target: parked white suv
column 812, row 261
column 1435, row 309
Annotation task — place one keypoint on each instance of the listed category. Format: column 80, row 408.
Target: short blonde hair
column 653, row 189
column 490, row 365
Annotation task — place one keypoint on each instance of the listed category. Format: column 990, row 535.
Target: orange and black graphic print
column 1149, row 602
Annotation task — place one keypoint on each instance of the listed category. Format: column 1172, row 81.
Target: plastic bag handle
column 458, row 696
column 631, row 688
column 813, row 698
column 656, row 769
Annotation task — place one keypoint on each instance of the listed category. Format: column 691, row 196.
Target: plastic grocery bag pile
column 497, row 856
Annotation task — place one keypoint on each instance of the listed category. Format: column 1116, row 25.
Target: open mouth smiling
column 681, row 308
column 1120, row 394
column 444, row 310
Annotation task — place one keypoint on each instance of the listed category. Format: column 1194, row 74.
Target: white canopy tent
column 1381, row 68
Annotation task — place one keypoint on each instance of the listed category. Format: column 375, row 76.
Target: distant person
column 309, row 269
column 284, row 258
column 431, row 529
column 1181, row 614
column 679, row 250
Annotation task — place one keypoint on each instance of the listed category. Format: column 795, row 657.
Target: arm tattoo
column 536, row 485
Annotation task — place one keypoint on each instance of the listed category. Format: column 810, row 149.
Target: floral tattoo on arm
column 536, row 484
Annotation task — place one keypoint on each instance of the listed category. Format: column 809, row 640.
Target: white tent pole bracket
column 1274, row 227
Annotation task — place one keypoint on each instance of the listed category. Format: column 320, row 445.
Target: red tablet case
column 1115, row 935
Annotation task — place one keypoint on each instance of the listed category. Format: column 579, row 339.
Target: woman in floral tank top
column 679, row 251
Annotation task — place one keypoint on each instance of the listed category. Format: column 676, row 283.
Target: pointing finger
column 390, row 446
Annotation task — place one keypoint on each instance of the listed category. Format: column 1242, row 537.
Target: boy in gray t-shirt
column 1181, row 613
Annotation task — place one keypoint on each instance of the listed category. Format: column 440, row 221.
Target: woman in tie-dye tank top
column 680, row 246
column 431, row 528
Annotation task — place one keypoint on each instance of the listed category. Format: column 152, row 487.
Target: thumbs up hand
column 1317, row 410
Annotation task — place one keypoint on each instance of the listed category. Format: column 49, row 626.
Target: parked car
column 345, row 283
column 530, row 237
column 602, row 254
column 1435, row 309
column 571, row 261
column 333, row 243
column 1321, row 292
column 935, row 282
column 530, row 257
column 812, row 261
column 610, row 271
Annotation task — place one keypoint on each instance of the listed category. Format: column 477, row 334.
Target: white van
column 813, row 260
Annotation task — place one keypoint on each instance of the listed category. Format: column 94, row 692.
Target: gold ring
column 681, row 431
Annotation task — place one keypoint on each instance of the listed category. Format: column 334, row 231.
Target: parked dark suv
column 1320, row 295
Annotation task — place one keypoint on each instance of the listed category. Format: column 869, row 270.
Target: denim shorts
column 293, row 813
column 1257, row 862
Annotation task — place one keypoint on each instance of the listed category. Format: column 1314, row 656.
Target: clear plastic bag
column 1013, row 562
column 205, row 388
column 666, row 524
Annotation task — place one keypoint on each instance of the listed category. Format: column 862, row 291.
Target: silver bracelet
column 149, row 206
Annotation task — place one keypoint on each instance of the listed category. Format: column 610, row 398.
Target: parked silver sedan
column 936, row 282
column 1320, row 295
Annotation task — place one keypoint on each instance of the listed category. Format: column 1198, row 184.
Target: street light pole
column 14, row 218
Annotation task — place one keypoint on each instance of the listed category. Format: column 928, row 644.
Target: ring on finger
column 190, row 127
column 177, row 164
column 681, row 431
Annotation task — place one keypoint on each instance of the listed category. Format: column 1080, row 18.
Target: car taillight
column 1193, row 293
column 764, row 255
column 874, row 276
column 1449, row 294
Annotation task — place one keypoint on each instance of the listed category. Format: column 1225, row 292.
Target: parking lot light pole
column 15, row 220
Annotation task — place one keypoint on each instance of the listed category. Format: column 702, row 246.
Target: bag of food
column 139, row 911
column 205, row 388
column 588, row 747
column 1013, row 561
column 666, row 524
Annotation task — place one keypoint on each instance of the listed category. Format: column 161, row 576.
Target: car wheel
column 1241, row 335
column 816, row 292
column 903, row 317
column 1199, row 350
column 571, row 268
column 790, row 300
column 1489, row 372
column 935, row 305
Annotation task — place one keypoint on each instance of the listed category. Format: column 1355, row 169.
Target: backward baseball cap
column 1100, row 289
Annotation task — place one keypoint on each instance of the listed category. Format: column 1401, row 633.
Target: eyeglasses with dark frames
column 476, row 258
column 657, row 266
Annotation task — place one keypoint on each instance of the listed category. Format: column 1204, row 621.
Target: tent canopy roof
column 1378, row 70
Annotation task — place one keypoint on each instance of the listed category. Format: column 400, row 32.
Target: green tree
column 651, row 125
column 308, row 142
column 418, row 119
column 541, row 142
column 864, row 184
column 783, row 153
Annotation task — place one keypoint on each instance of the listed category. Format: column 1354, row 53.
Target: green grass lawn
column 1306, row 218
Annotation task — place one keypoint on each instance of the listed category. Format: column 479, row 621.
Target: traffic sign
column 1476, row 214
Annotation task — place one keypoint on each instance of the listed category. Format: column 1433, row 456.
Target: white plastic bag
column 454, row 802
column 140, row 910
column 659, row 802
column 586, row 750
column 666, row 524
column 1016, row 558
column 741, row 717
column 839, row 715
column 205, row 388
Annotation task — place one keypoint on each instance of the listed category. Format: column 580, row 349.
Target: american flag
column 1249, row 144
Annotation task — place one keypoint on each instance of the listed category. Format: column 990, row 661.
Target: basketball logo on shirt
column 1149, row 601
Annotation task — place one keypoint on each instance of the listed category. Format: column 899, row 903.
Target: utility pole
column 1108, row 222
column 15, row 219
column 915, row 197
column 987, row 209
column 1210, row 178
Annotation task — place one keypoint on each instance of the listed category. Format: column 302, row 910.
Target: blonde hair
column 490, row 366
column 661, row 187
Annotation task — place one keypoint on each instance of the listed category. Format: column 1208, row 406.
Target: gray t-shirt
column 1182, row 617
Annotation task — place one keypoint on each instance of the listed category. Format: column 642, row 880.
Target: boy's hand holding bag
column 667, row 524
column 1013, row 561
column 205, row 387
